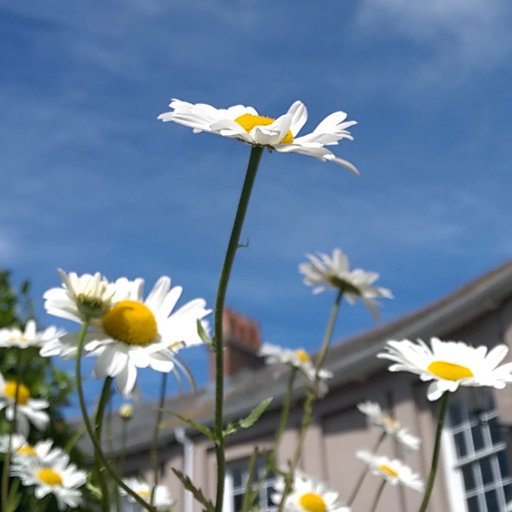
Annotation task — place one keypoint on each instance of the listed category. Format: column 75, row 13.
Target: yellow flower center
column 384, row 468
column 449, row 371
column 390, row 422
column 313, row 502
column 26, row 449
column 49, row 477
column 249, row 121
column 23, row 394
column 130, row 322
column 303, row 356
column 145, row 494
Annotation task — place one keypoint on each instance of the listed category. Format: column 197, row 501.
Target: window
column 477, row 456
column 236, row 479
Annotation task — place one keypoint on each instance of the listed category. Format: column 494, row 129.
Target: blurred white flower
column 28, row 337
column 57, row 477
column 80, row 298
column 390, row 425
column 42, row 451
column 161, row 500
column 299, row 359
column 449, row 364
column 394, row 471
column 27, row 408
column 308, row 495
column 245, row 124
column 324, row 271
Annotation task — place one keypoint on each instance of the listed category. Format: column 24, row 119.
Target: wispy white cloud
column 456, row 36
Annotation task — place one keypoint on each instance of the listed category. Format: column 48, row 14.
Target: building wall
column 339, row 430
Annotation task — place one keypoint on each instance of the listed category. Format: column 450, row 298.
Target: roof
column 350, row 359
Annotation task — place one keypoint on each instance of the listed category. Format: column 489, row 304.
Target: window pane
column 508, row 493
column 238, row 500
column 456, row 414
column 503, row 461
column 495, row 429
column 478, row 440
column 473, row 504
column 460, row 444
column 469, row 478
column 485, row 466
column 491, row 500
column 236, row 474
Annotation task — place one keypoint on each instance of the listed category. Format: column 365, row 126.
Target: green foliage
column 198, row 494
column 39, row 374
column 249, row 420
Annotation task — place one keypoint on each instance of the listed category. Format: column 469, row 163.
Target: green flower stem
column 443, row 408
column 378, row 495
column 90, row 430
column 327, row 338
column 307, row 415
column 6, row 498
column 252, row 168
column 363, row 474
column 124, row 432
column 158, row 422
column 249, row 494
column 74, row 439
column 98, row 425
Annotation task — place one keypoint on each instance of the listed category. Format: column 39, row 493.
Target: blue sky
column 91, row 181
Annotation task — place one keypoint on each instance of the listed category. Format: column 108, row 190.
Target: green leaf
column 200, row 428
column 250, row 420
column 198, row 494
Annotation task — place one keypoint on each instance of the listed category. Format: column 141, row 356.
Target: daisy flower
column 308, row 495
column 449, row 364
column 281, row 134
column 80, row 297
column 59, row 478
column 137, row 333
column 299, row 359
column 28, row 337
column 161, row 500
column 15, row 442
column 324, row 271
column 23, row 451
column 394, row 471
column 27, row 408
column 388, row 424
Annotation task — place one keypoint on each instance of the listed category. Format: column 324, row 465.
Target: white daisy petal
column 449, row 364
column 28, row 409
column 299, row 359
column 388, row 424
column 29, row 337
column 161, row 497
column 393, row 471
column 52, row 476
column 245, row 124
column 134, row 333
column 334, row 272
column 308, row 495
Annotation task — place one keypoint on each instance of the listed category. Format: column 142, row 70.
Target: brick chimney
column 242, row 342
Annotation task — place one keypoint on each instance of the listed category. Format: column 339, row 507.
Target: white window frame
column 458, row 495
column 230, row 490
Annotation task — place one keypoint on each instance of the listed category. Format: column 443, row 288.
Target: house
column 475, row 469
